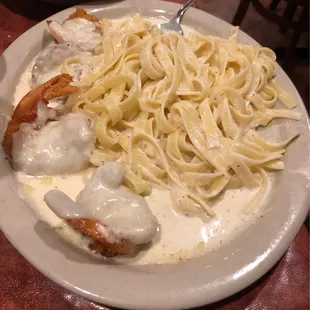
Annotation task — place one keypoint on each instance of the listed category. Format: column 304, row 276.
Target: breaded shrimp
column 101, row 245
column 81, row 13
column 80, row 29
column 117, row 219
column 26, row 110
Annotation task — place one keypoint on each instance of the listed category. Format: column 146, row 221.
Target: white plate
column 198, row 281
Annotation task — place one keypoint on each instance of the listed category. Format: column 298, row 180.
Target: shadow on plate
column 2, row 68
column 55, row 241
column 5, row 112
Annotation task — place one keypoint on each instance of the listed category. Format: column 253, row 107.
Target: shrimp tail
column 27, row 108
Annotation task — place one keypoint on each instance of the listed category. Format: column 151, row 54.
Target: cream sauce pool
column 181, row 237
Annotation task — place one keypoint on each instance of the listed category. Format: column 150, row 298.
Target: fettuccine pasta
column 182, row 112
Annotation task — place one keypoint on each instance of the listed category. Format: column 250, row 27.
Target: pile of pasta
column 182, row 112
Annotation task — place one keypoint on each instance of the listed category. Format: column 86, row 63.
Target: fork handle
column 182, row 10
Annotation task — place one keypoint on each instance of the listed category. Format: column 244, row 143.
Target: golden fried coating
column 101, row 245
column 26, row 110
column 83, row 14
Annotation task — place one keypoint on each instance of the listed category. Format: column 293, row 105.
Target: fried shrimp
column 27, row 109
column 117, row 219
column 81, row 13
column 80, row 29
column 100, row 244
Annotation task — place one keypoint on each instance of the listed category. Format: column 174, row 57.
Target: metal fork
column 174, row 24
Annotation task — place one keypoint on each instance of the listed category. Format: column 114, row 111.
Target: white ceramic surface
column 198, row 281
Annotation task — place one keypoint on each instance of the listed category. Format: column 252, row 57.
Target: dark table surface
column 285, row 286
